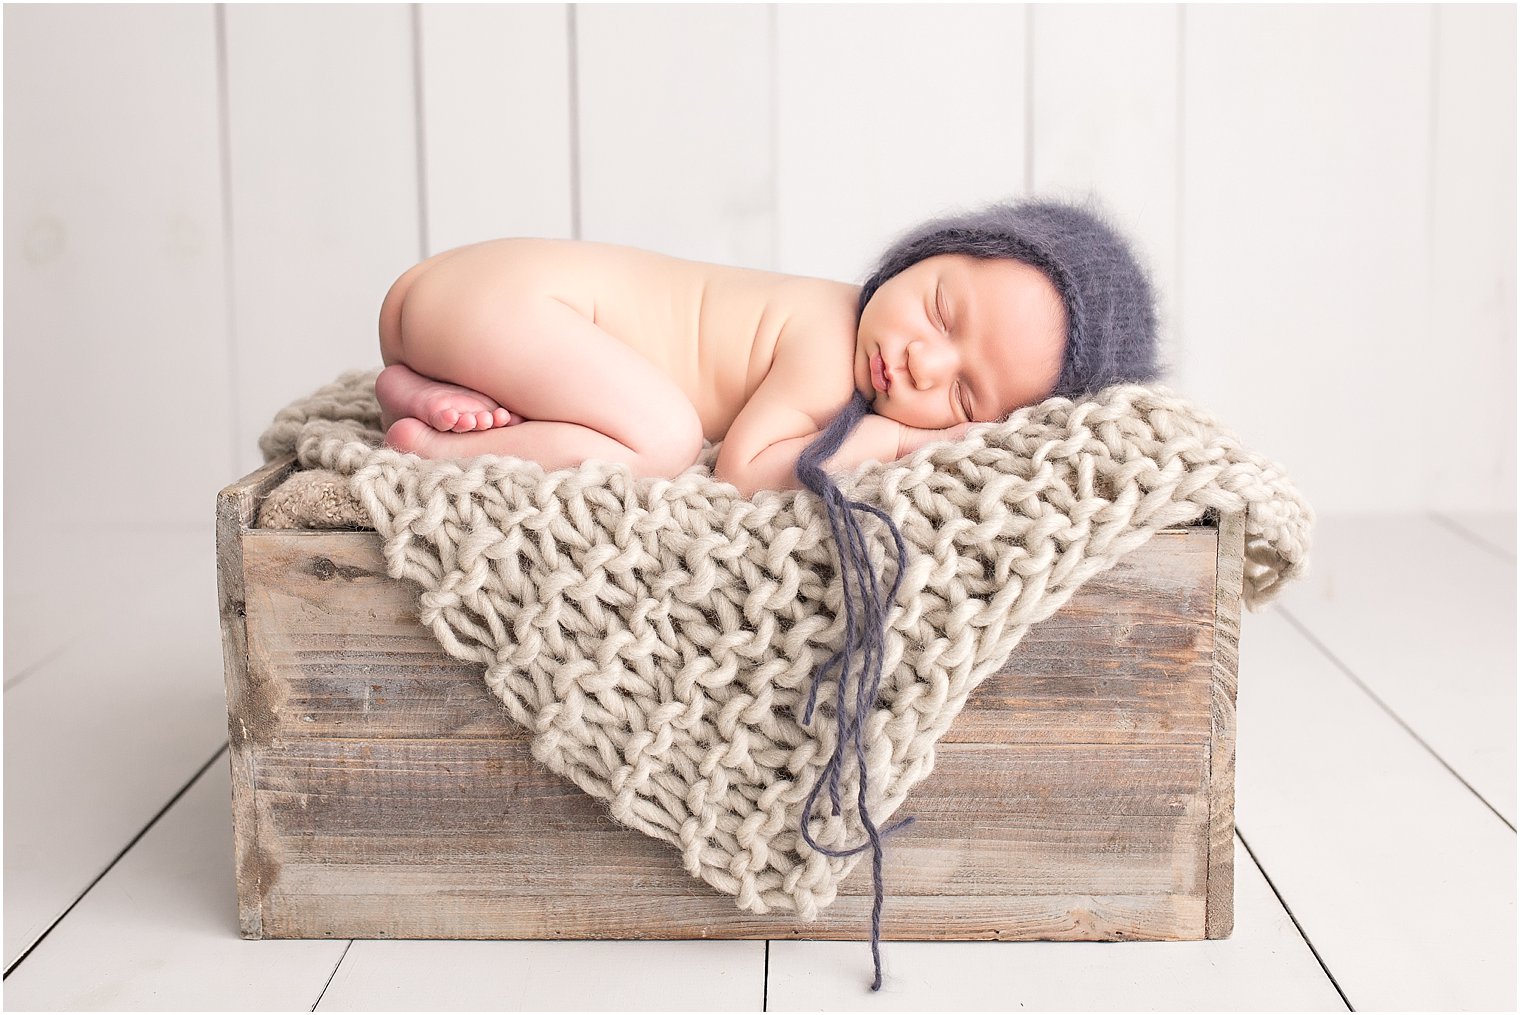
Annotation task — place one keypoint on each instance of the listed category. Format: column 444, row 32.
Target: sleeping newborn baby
column 562, row 351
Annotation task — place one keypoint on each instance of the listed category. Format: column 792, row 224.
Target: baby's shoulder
column 817, row 302
column 815, row 349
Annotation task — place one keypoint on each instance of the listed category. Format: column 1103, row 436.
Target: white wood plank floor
column 1375, row 846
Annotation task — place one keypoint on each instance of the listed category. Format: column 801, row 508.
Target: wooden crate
column 379, row 790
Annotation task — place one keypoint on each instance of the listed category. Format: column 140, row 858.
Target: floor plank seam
column 1296, row 925
column 334, row 973
column 39, row 664
column 765, row 980
column 115, row 860
column 1325, row 651
column 1458, row 529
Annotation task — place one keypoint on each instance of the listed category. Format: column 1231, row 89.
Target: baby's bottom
column 557, row 389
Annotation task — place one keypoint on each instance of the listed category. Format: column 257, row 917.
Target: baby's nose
column 926, row 362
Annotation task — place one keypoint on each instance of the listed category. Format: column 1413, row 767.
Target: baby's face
column 962, row 338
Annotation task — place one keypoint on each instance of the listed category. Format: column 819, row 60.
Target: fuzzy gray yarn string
column 865, row 625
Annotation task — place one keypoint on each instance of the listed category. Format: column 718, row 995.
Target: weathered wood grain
column 1220, row 916
column 236, row 507
column 1128, row 660
column 1085, row 792
column 432, row 913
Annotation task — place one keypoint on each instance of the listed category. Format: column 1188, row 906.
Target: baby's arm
column 776, row 467
column 763, row 443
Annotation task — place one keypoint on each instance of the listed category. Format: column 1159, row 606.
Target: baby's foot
column 404, row 392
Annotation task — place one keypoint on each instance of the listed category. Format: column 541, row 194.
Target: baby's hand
column 914, row 437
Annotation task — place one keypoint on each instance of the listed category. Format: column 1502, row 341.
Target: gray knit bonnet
column 1110, row 305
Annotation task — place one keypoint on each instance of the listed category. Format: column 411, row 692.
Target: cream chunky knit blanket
column 658, row 636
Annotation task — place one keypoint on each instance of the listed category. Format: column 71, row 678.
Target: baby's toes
column 465, row 423
column 444, row 419
column 501, row 417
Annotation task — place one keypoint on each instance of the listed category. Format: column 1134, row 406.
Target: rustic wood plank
column 1128, row 660
column 236, row 507
column 1226, row 657
column 640, row 917
column 511, row 840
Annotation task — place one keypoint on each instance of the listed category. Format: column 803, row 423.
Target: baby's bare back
column 712, row 329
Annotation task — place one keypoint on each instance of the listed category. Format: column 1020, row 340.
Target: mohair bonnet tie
column 1111, row 338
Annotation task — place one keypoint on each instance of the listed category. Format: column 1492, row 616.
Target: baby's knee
column 672, row 442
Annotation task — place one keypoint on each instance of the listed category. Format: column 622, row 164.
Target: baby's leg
column 582, row 392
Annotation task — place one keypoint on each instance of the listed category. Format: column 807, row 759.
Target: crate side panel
column 335, row 644
column 470, row 822
column 1044, row 917
column 1127, row 660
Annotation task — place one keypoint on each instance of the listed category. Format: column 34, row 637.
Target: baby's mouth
column 881, row 380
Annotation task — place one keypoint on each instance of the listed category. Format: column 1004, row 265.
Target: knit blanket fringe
column 657, row 637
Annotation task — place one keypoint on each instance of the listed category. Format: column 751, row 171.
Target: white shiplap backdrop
column 205, row 204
